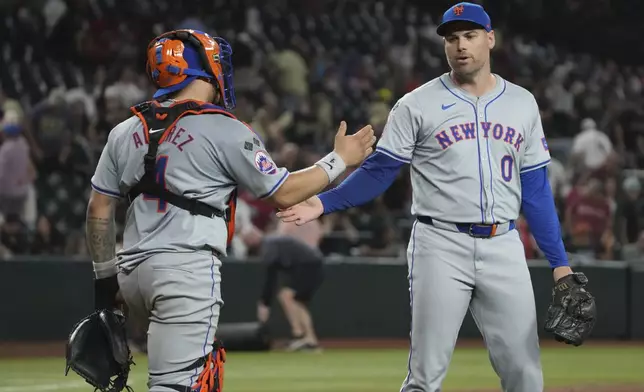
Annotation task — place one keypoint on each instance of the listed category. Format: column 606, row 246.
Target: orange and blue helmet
column 176, row 58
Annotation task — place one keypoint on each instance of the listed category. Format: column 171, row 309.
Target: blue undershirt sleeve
column 369, row 181
column 539, row 210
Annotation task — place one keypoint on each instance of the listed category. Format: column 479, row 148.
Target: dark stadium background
column 70, row 70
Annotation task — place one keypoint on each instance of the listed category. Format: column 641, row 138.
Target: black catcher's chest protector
column 156, row 117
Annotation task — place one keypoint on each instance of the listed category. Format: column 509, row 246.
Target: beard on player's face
column 467, row 71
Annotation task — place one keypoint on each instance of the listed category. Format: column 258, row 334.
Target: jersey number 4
column 162, row 164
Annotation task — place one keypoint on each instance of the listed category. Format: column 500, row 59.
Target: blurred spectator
column 577, row 190
column 629, row 135
column 84, row 106
column 47, row 240
column 610, row 190
column 51, row 124
column 17, row 172
column 340, row 235
column 588, row 218
column 304, row 128
column 379, row 110
column 192, row 21
column 291, row 72
column 8, row 105
column 558, row 179
column 247, row 236
column 127, row 89
column 271, row 120
column 631, row 211
column 113, row 112
column 379, row 222
column 591, row 148
column 262, row 213
column 310, row 233
column 291, row 157
column 323, row 110
column 14, row 236
column 52, row 12
column 292, row 256
column 561, row 100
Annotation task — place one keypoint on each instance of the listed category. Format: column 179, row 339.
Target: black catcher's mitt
column 572, row 312
column 97, row 350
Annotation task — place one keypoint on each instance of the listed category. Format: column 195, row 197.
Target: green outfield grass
column 353, row 371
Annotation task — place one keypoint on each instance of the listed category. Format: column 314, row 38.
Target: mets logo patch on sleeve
column 544, row 143
column 264, row 164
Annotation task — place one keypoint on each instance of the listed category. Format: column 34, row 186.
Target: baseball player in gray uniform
column 478, row 156
column 178, row 160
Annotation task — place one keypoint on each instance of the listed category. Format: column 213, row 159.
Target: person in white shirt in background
column 591, row 148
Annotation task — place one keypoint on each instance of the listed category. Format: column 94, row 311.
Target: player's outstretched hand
column 302, row 213
column 353, row 149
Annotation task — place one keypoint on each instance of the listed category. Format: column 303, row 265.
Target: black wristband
column 105, row 292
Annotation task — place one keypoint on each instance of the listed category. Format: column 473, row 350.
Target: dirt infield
column 31, row 349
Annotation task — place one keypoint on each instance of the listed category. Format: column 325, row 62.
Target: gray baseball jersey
column 204, row 157
column 466, row 153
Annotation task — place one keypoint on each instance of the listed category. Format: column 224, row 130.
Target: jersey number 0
column 506, row 167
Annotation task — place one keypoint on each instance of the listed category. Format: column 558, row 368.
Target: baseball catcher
column 572, row 312
column 179, row 160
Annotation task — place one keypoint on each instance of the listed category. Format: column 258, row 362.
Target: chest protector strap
column 158, row 123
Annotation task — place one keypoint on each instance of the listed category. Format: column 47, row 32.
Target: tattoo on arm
column 101, row 238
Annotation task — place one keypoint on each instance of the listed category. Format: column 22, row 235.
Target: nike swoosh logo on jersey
column 156, row 130
column 445, row 107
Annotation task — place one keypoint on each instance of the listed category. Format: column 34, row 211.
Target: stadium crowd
column 74, row 67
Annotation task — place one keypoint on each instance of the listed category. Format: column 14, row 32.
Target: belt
column 216, row 253
column 476, row 230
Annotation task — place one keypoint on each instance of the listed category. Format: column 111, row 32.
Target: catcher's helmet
column 178, row 57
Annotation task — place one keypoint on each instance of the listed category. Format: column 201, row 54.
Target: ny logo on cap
column 458, row 10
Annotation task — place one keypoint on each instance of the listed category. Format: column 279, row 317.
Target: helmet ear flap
column 166, row 64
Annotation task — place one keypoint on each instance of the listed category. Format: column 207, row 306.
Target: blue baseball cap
column 466, row 12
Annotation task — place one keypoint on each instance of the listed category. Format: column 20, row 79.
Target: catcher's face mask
column 172, row 64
